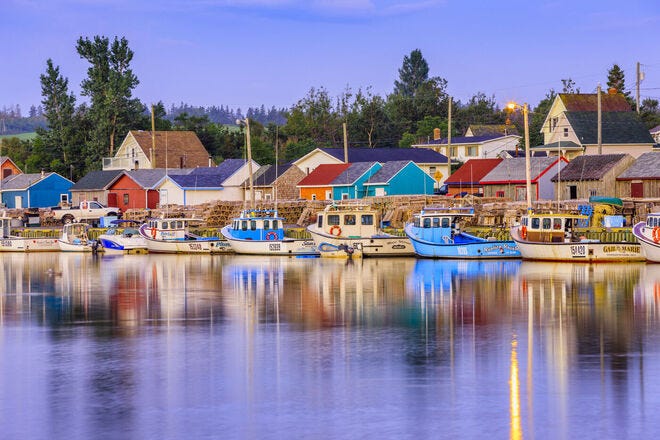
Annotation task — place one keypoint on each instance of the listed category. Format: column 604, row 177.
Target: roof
column 521, row 152
column 589, row 167
column 417, row 155
column 617, row 128
column 96, row 180
column 564, row 145
column 266, row 175
column 472, row 171
column 148, row 177
column 389, row 170
column 353, row 173
column 22, row 181
column 323, row 174
column 647, row 166
column 222, row 172
column 467, row 139
column 579, row 102
column 199, row 181
column 513, row 169
column 487, row 129
column 178, row 144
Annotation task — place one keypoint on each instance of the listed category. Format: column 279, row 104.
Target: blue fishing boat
column 436, row 233
column 261, row 232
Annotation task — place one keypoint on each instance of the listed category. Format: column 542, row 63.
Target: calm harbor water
column 195, row 347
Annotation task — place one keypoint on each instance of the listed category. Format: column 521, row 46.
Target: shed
column 592, row 175
column 509, row 178
column 350, row 183
column 95, row 185
column 399, row 178
column 642, row 178
column 40, row 190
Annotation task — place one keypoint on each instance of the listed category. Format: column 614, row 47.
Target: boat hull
column 270, row 247
column 650, row 248
column 122, row 245
column 187, row 246
column 477, row 250
column 24, row 244
column 375, row 246
column 74, row 247
column 588, row 251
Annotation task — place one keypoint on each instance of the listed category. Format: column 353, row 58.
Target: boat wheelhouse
column 357, row 227
column 74, row 238
column 648, row 235
column 436, row 232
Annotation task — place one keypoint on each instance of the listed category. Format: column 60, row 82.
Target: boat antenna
column 277, row 138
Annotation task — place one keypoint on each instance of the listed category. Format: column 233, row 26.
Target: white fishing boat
column 13, row 243
column 261, row 232
column 172, row 236
column 74, row 238
column 648, row 235
column 123, row 237
column 557, row 237
column 357, row 226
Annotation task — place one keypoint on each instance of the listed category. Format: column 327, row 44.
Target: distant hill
column 21, row 136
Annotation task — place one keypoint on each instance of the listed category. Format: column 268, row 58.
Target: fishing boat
column 172, row 236
column 357, row 226
column 648, row 235
column 436, row 233
column 562, row 237
column 123, row 237
column 261, row 232
column 14, row 243
column 74, row 238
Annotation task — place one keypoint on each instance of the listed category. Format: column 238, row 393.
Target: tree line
column 77, row 136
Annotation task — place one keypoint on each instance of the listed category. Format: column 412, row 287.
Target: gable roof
column 353, row 173
column 177, row 144
column 148, row 177
column 4, row 159
column 23, row 181
column 617, row 128
column 266, row 175
column 223, row 171
column 418, row 155
column 472, row 171
column 467, row 139
column 513, row 169
column 647, row 166
column 388, row 171
column 488, row 129
column 97, row 180
column 579, row 102
column 323, row 174
column 655, row 129
column 589, row 167
column 196, row 181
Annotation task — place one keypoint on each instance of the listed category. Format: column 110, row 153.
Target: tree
column 412, row 74
column 650, row 113
column 616, row 79
column 569, row 86
column 109, row 85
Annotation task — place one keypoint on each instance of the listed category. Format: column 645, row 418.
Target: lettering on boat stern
column 621, row 249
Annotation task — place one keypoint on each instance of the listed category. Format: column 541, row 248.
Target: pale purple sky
column 245, row 53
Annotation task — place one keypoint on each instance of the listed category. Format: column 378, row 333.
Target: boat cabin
column 653, row 220
column 167, row 228
column 551, row 228
column 5, row 223
column 258, row 224
column 75, row 233
column 441, row 225
column 351, row 221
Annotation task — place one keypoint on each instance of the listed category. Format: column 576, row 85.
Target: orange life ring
column 335, row 230
column 523, row 231
column 153, row 232
column 656, row 234
column 272, row 235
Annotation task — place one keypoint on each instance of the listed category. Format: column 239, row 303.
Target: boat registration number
column 6, row 243
column 578, row 251
column 273, row 247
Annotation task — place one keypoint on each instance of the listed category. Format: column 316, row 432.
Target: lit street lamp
column 240, row 122
column 528, row 179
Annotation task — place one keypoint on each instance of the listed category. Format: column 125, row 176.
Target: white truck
column 86, row 212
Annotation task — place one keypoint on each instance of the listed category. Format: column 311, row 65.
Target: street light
column 240, row 122
column 528, row 179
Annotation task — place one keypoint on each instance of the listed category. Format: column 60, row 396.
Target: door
column 572, row 192
column 112, row 200
column 18, row 202
column 637, row 189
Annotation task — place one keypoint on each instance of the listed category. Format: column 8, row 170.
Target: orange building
column 8, row 167
column 317, row 184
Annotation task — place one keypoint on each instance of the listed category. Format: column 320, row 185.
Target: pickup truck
column 85, row 212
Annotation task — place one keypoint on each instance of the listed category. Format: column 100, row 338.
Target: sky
column 248, row 53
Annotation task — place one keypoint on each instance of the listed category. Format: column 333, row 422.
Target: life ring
column 656, row 234
column 523, row 232
column 335, row 230
column 272, row 235
column 153, row 233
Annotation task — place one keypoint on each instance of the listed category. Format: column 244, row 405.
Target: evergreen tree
column 412, row 74
column 616, row 79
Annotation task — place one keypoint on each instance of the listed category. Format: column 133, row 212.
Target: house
column 642, row 178
column 572, row 126
column 488, row 145
column 432, row 162
column 206, row 184
column 173, row 149
column 467, row 177
column 317, row 185
column 40, row 190
column 509, row 178
column 134, row 189
column 592, row 175
column 655, row 134
column 399, row 178
column 95, row 185
column 276, row 182
column 350, row 183
column 8, row 167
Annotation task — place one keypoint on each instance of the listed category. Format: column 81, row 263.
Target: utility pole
column 448, row 140
column 600, row 122
column 249, row 154
column 345, row 143
column 153, row 138
column 639, row 79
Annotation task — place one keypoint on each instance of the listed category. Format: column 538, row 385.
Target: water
column 196, row 347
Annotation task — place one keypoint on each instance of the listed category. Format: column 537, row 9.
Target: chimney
column 436, row 134
column 612, row 91
column 43, row 174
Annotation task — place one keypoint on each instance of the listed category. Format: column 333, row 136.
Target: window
column 454, row 151
column 266, row 224
column 445, row 222
column 431, row 171
column 313, row 196
column 546, row 223
column 349, row 219
column 499, row 194
column 367, row 219
column 125, row 199
column 566, row 132
column 244, row 225
column 253, row 225
column 471, row 150
column 344, row 196
column 427, row 222
column 333, row 219
column 319, row 221
column 536, row 222
column 436, row 222
column 275, row 224
column 556, row 223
